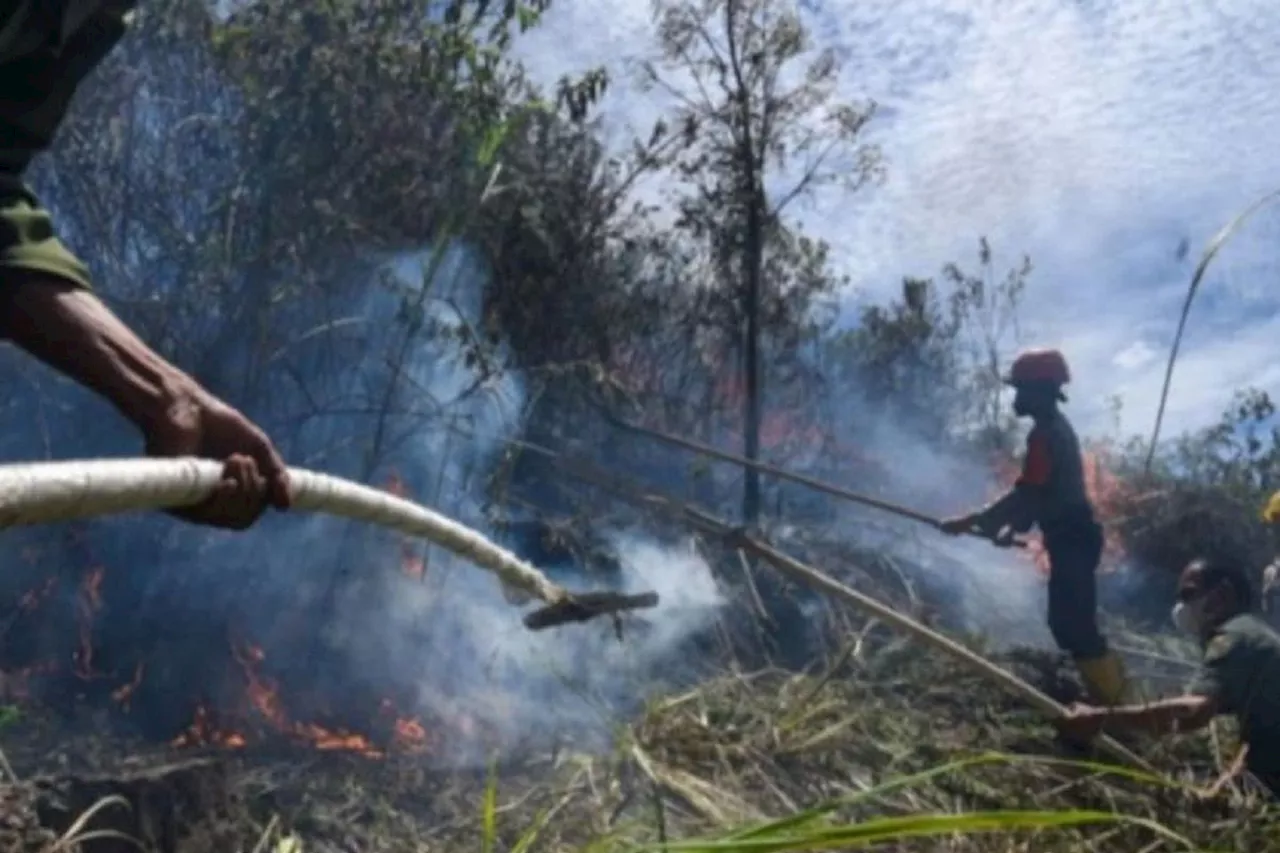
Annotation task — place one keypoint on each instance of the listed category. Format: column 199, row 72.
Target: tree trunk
column 750, row 165
column 752, row 396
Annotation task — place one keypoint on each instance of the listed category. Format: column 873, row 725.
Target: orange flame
column 15, row 684
column 407, row 734
column 88, row 602
column 264, row 697
column 413, row 562
column 410, row 733
column 396, row 486
column 782, row 431
column 202, row 732
column 122, row 694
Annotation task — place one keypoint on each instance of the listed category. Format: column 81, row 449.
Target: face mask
column 1189, row 617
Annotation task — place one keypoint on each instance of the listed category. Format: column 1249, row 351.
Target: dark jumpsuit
column 1051, row 494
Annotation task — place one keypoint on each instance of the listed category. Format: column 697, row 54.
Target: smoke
column 475, row 663
column 679, row 575
column 1002, row 598
column 836, row 431
column 992, row 592
column 397, row 382
column 444, row 637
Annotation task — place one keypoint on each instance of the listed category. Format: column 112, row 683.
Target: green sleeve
column 1224, row 674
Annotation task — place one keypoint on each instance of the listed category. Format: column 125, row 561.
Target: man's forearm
column 72, row 331
column 1169, row 716
column 1012, row 509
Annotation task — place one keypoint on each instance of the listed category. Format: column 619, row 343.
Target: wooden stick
column 584, row 470
column 780, row 473
column 815, row 579
column 811, row 482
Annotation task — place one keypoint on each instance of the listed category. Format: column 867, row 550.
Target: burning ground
column 737, row 748
column 329, row 683
column 761, row 728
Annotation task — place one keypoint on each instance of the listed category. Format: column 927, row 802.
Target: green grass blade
column 813, row 815
column 489, row 810
column 913, row 826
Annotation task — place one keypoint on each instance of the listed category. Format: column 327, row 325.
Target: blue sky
column 1093, row 135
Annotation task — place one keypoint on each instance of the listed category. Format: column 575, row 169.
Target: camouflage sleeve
column 1223, row 673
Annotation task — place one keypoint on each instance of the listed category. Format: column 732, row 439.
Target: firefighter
column 1240, row 675
column 48, row 307
column 1051, row 494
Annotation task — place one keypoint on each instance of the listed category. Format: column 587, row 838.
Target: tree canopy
column 308, row 204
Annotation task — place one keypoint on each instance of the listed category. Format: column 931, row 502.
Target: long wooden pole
column 813, row 578
column 780, row 473
column 804, row 480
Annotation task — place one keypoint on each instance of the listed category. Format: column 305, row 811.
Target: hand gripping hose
column 45, row 492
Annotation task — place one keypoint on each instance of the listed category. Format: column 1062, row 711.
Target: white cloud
column 1094, row 135
column 1134, row 356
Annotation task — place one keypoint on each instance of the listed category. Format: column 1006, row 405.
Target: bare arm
column 1167, row 716
column 71, row 330
column 1016, row 508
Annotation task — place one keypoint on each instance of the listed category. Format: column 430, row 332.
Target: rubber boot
column 1104, row 679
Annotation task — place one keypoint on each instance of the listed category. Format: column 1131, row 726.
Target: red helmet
column 1039, row 365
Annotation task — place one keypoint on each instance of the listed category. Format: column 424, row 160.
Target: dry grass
column 743, row 749
column 856, row 736
column 747, row 748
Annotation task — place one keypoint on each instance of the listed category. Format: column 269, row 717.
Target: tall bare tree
column 758, row 111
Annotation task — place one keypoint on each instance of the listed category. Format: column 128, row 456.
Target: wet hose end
column 586, row 606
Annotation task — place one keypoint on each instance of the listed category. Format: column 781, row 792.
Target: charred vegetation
column 367, row 227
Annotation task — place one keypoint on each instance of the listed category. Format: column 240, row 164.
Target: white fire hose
column 46, row 492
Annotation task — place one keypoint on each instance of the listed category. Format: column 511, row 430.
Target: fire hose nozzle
column 585, row 606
